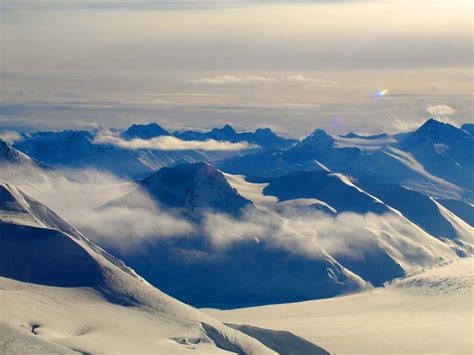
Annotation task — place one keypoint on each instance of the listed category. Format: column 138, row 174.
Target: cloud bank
column 171, row 143
column 231, row 79
column 255, row 79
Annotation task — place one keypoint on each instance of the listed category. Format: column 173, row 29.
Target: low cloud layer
column 255, row 79
column 77, row 195
column 79, row 198
column 311, row 82
column 171, row 143
column 231, row 79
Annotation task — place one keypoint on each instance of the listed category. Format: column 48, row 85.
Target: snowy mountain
column 263, row 137
column 259, row 249
column 146, row 131
column 336, row 190
column 39, row 249
column 191, row 188
column 427, row 213
column 437, row 159
column 59, row 148
column 12, row 156
column 77, row 149
column 444, row 151
column 17, row 166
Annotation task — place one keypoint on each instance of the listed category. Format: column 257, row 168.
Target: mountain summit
column 144, row 131
column 194, row 187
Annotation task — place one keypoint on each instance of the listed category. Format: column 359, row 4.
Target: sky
column 293, row 66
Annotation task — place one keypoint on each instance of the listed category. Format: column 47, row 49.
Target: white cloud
column 171, row 143
column 313, row 233
column 440, row 110
column 231, row 79
column 252, row 79
column 311, row 81
column 435, row 86
column 76, row 195
column 10, row 136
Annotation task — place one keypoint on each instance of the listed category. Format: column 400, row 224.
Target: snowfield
column 427, row 313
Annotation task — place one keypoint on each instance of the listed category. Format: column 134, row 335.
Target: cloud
column 231, row 79
column 314, row 234
column 76, row 195
column 435, row 86
column 252, row 79
column 171, row 143
column 440, row 110
column 10, row 136
column 311, row 81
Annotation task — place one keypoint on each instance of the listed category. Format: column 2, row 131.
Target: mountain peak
column 144, row 131
column 318, row 139
column 228, row 128
column 10, row 155
column 227, row 131
column 195, row 186
column 435, row 130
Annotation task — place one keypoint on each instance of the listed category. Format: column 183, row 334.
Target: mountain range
column 323, row 216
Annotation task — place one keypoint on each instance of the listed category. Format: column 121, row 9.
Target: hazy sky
column 293, row 66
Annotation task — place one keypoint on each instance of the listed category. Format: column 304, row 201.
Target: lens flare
column 337, row 122
column 382, row 93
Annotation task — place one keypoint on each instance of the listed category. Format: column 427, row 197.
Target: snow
column 57, row 285
column 428, row 313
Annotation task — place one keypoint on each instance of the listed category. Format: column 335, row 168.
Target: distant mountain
column 77, row 149
column 144, row 131
column 443, row 150
column 59, row 147
column 38, row 248
column 263, row 137
column 437, row 159
column 265, row 164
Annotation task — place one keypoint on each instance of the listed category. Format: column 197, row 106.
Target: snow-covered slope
column 461, row 209
column 20, row 167
column 12, row 156
column 334, row 189
column 427, row 313
column 72, row 295
column 424, row 211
